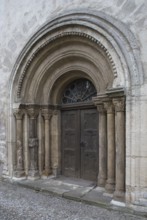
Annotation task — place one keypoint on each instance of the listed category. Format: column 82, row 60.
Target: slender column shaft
column 26, row 138
column 47, row 115
column 102, row 146
column 33, row 143
column 120, row 148
column 19, row 144
column 41, row 143
column 110, row 147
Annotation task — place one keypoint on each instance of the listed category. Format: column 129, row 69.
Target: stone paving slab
column 96, row 196
column 70, row 188
column 21, row 203
column 78, row 193
column 82, row 191
column 53, row 186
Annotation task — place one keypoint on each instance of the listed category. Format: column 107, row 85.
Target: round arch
column 113, row 37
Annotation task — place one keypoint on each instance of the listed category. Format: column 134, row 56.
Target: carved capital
column 33, row 142
column 18, row 113
column 119, row 104
column 56, row 112
column 101, row 109
column 46, row 113
column 32, row 112
column 109, row 107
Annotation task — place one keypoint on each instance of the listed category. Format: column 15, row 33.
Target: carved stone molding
column 47, row 113
column 32, row 112
column 109, row 107
column 119, row 104
column 73, row 33
column 101, row 109
column 18, row 113
column 55, row 112
column 33, row 142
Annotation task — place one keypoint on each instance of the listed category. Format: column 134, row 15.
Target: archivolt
column 111, row 36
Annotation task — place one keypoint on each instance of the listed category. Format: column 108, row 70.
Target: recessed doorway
column 79, row 126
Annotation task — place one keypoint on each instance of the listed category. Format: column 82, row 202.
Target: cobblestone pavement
column 18, row 203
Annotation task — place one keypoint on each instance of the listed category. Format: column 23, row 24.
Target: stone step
column 142, row 202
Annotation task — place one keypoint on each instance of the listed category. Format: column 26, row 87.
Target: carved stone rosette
column 19, row 172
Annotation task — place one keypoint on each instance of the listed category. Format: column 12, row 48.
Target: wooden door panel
column 89, row 144
column 70, row 143
column 80, row 143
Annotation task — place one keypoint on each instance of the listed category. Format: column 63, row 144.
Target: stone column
column 33, row 143
column 19, row 172
column 102, row 146
column 110, row 146
column 56, row 139
column 47, row 115
column 119, row 104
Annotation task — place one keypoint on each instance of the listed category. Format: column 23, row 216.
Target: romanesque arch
column 74, row 45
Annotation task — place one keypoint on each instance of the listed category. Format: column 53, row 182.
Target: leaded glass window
column 81, row 90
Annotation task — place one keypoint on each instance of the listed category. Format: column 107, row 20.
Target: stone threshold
column 77, row 190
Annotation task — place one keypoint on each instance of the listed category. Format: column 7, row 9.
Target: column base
column 33, row 174
column 46, row 173
column 101, row 181
column 119, row 196
column 19, row 174
column 5, row 172
column 118, row 203
column 110, row 186
column 56, row 171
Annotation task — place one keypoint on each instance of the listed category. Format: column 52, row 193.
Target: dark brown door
column 80, row 143
column 89, row 144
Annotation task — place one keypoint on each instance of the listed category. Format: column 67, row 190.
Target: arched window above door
column 80, row 90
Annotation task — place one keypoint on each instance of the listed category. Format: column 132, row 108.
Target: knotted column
column 33, row 143
column 47, row 115
column 110, row 146
column 102, row 146
column 119, row 104
column 19, row 172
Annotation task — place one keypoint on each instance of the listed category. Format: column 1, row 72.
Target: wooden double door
column 80, row 143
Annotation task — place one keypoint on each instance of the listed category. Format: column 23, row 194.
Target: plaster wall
column 19, row 20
